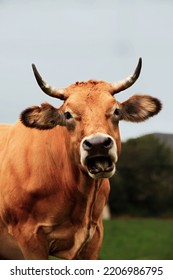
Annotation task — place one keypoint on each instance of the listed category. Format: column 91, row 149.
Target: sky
column 77, row 40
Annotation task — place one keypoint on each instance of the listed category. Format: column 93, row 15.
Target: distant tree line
column 143, row 183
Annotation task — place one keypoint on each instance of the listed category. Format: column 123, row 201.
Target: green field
column 137, row 239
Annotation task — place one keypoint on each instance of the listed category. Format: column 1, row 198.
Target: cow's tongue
column 99, row 164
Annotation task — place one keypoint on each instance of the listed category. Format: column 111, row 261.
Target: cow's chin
column 100, row 167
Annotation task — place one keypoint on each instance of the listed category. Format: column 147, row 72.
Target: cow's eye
column 117, row 112
column 68, row 116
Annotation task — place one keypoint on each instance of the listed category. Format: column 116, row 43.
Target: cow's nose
column 99, row 142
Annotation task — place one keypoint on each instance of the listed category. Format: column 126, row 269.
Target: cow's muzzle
column 99, row 155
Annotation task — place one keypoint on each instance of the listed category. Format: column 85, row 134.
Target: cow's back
column 4, row 132
column 31, row 162
column 5, row 238
column 27, row 164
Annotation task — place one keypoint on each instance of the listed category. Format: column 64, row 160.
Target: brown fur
column 48, row 202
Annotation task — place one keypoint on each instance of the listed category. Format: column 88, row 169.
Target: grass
column 137, row 239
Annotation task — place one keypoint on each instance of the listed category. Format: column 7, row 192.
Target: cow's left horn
column 128, row 82
column 51, row 91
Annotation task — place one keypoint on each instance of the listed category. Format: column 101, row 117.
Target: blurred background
column 76, row 40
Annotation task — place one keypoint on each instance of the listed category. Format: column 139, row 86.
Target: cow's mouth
column 100, row 166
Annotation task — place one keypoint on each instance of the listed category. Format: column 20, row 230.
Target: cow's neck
column 73, row 178
column 85, row 196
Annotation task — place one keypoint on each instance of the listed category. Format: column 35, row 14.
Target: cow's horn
column 51, row 91
column 128, row 82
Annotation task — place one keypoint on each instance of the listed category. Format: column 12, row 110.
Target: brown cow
column 55, row 165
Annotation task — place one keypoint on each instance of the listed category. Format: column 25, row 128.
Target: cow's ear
column 43, row 117
column 139, row 108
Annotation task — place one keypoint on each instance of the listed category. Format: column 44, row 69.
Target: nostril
column 97, row 143
column 108, row 143
column 87, row 145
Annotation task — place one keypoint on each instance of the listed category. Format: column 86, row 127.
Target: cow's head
column 91, row 115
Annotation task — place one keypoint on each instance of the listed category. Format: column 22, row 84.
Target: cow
column 55, row 165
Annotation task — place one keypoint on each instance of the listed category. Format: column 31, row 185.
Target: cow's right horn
column 51, row 91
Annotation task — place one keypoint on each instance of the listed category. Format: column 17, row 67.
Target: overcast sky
column 76, row 40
